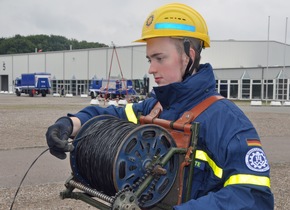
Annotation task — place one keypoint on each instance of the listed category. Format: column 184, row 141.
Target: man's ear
column 192, row 56
column 192, row 53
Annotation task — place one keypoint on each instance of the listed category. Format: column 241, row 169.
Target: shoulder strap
column 190, row 115
column 154, row 113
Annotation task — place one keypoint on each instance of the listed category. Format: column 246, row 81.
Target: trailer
column 117, row 88
column 33, row 84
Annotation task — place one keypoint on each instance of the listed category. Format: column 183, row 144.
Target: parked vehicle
column 118, row 88
column 33, row 84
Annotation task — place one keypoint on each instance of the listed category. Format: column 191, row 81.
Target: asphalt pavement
column 47, row 169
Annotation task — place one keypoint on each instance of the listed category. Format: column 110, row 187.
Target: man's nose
column 152, row 69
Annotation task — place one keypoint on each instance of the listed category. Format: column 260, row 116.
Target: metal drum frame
column 139, row 155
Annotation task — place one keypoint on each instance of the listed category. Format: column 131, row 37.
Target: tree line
column 43, row 43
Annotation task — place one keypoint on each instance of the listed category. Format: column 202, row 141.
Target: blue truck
column 114, row 88
column 33, row 84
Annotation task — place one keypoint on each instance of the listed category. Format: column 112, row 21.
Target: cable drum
column 111, row 154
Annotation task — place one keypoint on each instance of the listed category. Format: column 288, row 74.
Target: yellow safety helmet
column 175, row 20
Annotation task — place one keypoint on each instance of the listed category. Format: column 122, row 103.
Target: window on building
column 234, row 89
column 281, row 89
column 54, row 86
column 217, row 85
column 224, row 88
column 246, row 88
column 268, row 89
column 81, row 87
column 288, row 90
column 73, row 86
column 256, row 89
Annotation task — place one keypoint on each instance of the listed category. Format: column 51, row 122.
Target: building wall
column 230, row 59
column 236, row 54
column 251, row 73
column 254, row 83
column 55, row 64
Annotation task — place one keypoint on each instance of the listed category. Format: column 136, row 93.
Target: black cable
column 25, row 176
column 96, row 151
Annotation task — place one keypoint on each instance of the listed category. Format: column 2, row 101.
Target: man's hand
column 57, row 137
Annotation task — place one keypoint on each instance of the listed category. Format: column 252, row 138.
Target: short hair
column 195, row 44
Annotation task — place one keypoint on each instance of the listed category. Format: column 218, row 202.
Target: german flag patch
column 254, row 143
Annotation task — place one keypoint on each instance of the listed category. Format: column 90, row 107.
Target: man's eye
column 149, row 61
column 159, row 58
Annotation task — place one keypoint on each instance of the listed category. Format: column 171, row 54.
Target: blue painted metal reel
column 141, row 149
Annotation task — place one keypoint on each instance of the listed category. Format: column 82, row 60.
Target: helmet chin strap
column 189, row 68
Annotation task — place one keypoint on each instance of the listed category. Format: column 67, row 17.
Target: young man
column 233, row 172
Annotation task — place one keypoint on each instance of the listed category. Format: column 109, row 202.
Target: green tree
column 17, row 44
column 28, row 44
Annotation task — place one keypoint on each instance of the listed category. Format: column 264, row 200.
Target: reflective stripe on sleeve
column 235, row 179
column 130, row 113
column 201, row 155
column 248, row 179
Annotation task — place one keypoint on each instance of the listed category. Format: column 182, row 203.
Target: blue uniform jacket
column 231, row 168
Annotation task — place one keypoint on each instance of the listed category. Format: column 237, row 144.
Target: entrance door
column 81, row 89
column 4, row 82
column 63, row 89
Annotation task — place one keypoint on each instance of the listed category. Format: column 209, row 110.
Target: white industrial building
column 243, row 69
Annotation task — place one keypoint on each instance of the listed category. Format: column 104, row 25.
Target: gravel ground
column 24, row 121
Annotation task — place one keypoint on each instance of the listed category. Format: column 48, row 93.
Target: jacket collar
column 191, row 89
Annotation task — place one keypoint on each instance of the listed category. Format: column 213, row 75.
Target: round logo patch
column 149, row 20
column 256, row 160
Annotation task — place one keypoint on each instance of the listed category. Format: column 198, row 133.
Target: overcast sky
column 121, row 21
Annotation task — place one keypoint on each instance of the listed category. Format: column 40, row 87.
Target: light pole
column 267, row 59
column 284, row 61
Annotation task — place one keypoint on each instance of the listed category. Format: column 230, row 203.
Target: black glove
column 57, row 137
